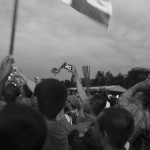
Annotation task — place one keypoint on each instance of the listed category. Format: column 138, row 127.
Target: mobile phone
column 68, row 67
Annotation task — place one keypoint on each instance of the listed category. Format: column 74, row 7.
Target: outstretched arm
column 141, row 86
column 5, row 69
column 31, row 85
column 79, row 86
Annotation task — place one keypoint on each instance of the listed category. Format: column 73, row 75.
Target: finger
column 147, row 81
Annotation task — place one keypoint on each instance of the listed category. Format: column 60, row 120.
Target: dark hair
column 89, row 142
column 98, row 102
column 10, row 93
column 21, row 128
column 141, row 141
column 118, row 124
column 51, row 97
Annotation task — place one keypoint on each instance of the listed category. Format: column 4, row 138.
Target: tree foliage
column 102, row 78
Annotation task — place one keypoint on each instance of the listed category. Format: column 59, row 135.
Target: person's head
column 97, row 103
column 10, row 93
column 115, row 126
column 73, row 102
column 51, row 97
column 21, row 128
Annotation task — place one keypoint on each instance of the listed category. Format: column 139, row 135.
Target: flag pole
column 14, row 20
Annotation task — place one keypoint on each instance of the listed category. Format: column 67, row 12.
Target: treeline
column 134, row 76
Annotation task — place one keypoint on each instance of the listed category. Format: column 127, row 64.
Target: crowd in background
column 41, row 115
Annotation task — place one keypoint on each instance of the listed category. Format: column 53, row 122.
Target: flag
column 99, row 10
column 56, row 70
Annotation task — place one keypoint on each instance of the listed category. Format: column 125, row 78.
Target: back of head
column 98, row 103
column 21, row 128
column 10, row 93
column 51, row 97
column 118, row 124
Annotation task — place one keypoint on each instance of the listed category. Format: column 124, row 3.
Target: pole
column 12, row 39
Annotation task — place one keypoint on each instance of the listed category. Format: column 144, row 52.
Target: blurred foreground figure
column 51, row 97
column 113, row 128
column 5, row 69
column 10, row 93
column 21, row 128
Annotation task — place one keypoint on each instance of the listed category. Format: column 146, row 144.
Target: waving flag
column 57, row 70
column 99, row 10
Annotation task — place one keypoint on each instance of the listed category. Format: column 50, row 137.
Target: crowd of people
column 41, row 115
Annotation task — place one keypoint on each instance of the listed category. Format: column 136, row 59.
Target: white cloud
column 50, row 32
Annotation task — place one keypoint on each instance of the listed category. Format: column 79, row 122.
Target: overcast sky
column 49, row 32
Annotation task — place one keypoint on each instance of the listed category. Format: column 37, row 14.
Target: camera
column 68, row 67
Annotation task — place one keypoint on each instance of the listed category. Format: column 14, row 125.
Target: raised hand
column 6, row 66
column 145, row 85
column 73, row 70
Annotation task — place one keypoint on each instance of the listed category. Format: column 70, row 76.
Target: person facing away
column 97, row 104
column 10, row 93
column 21, row 128
column 112, row 130
column 51, row 97
column 93, row 107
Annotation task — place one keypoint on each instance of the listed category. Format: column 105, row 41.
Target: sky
column 50, row 32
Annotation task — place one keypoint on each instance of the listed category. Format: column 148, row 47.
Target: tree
column 118, row 80
column 67, row 83
column 135, row 76
column 99, row 79
column 108, row 78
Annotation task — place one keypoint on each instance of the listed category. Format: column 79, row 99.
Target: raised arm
column 5, row 69
column 141, row 86
column 31, row 85
column 79, row 86
column 132, row 101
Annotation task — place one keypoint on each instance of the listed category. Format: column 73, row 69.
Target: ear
column 102, row 134
column 105, row 135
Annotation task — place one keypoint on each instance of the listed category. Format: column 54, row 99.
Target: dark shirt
column 2, row 104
